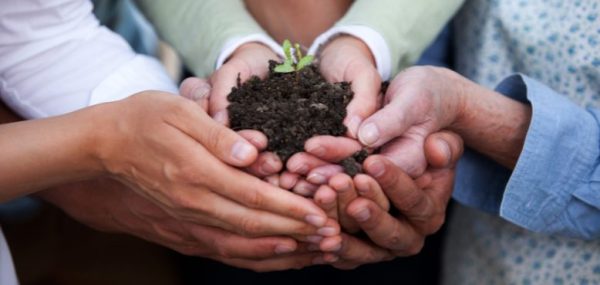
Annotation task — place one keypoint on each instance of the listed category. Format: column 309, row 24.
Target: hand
column 347, row 58
column 178, row 158
column 109, row 206
column 267, row 163
column 423, row 100
column 248, row 60
column 421, row 202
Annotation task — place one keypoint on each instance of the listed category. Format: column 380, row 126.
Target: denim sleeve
column 555, row 186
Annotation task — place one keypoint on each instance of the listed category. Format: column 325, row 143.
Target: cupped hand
column 176, row 156
column 418, row 102
column 250, row 59
column 347, row 58
column 109, row 206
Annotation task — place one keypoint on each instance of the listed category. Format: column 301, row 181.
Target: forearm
column 39, row 154
column 491, row 123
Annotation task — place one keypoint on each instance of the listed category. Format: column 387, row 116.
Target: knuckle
column 217, row 137
column 251, row 227
column 254, row 199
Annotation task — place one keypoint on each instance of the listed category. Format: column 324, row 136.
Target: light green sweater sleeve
column 199, row 29
column 408, row 26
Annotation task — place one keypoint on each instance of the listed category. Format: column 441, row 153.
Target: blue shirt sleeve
column 555, row 186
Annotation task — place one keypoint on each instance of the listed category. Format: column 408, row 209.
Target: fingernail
column 318, row 260
column 316, row 150
column 327, row 231
column 362, row 215
column 305, row 189
column 201, row 92
column 337, row 247
column 283, row 249
column 316, row 178
column 314, row 239
column 353, row 125
column 369, row 134
column 362, row 191
column 377, row 169
column 316, row 220
column 242, row 150
column 221, row 117
column 444, row 148
column 298, row 168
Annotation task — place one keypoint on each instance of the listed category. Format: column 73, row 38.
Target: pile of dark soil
column 290, row 108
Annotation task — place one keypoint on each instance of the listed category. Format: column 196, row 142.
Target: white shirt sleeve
column 232, row 44
column 373, row 39
column 56, row 58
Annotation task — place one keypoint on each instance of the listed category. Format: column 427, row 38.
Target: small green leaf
column 287, row 50
column 305, row 61
column 284, row 68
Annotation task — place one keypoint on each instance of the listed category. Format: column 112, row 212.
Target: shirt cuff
column 373, row 39
column 233, row 43
column 139, row 74
column 546, row 190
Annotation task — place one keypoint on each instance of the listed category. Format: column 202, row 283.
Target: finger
column 236, row 246
column 197, row 90
column 325, row 198
column 385, row 230
column 230, row 216
column 223, row 80
column 398, row 187
column 288, row 180
column 320, row 175
column 302, row 162
column 443, row 149
column 217, row 139
column 276, row 264
column 368, row 188
column 304, row 188
column 273, row 180
column 387, row 123
column 256, row 138
column 366, row 84
column 362, row 252
column 346, row 193
column 330, row 148
column 407, row 153
column 266, row 164
column 246, row 190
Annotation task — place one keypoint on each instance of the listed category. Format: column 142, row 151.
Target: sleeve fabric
column 201, row 30
column 56, row 58
column 407, row 27
column 555, row 186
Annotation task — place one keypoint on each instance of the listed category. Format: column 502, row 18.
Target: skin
column 363, row 203
column 282, row 18
column 110, row 204
column 423, row 100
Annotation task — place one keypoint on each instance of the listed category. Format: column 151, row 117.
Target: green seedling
column 291, row 63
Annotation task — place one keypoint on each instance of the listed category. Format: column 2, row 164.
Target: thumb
column 197, row 90
column 443, row 149
column 219, row 140
column 386, row 124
